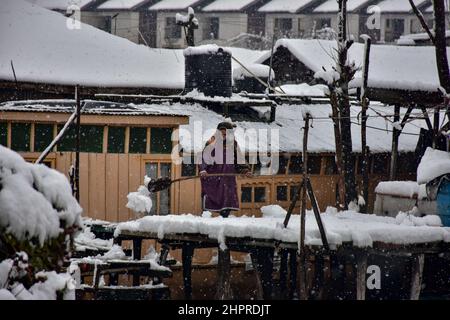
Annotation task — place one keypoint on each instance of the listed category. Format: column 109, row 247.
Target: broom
column 163, row 183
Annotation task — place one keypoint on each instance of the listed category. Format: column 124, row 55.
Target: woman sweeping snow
column 222, row 155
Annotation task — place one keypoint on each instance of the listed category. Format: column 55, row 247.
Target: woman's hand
column 203, row 173
column 248, row 174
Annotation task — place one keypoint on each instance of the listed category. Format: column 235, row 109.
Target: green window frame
column 116, row 139
column 161, row 140
column 138, row 140
column 4, row 133
column 43, row 136
column 20, row 136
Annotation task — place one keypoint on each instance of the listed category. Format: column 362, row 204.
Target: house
column 223, row 20
column 128, row 19
column 391, row 78
column 326, row 15
column 169, row 34
column 288, row 19
column 397, row 18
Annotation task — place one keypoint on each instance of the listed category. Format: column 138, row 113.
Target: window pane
column 116, row 139
column 43, row 136
column 68, row 142
column 282, row 193
column 282, row 164
column 138, row 140
column 295, row 166
column 91, row 139
column 260, row 194
column 380, row 163
column 293, row 190
column 161, row 140
column 188, row 167
column 331, row 167
column 314, row 164
column 246, row 194
column 3, row 133
column 20, row 136
column 151, row 170
column 164, row 197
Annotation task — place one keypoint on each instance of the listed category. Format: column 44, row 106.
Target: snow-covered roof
column 430, row 9
column 285, row 6
column 120, row 4
column 228, row 5
column 61, row 4
column 332, row 6
column 363, row 230
column 90, row 107
column 390, row 66
column 401, row 6
column 288, row 123
column 174, row 4
column 44, row 50
column 433, row 164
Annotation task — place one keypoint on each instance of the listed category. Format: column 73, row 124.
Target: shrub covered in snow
column 38, row 219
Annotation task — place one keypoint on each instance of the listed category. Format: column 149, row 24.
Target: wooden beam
column 394, row 150
column 187, row 252
column 417, row 263
column 427, row 118
column 361, row 269
column 259, row 288
column 223, row 275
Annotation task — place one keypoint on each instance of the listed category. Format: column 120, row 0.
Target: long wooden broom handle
column 208, row 175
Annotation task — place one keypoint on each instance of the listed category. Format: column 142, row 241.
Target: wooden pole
column 77, row 154
column 361, row 269
column 422, row 20
column 302, row 256
column 394, row 150
column 436, row 120
column 364, row 106
column 187, row 252
column 316, row 211
column 418, row 261
column 223, row 275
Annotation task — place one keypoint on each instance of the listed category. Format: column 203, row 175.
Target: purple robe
column 220, row 193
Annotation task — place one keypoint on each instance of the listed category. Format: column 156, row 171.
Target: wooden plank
column 112, row 187
column 417, row 262
column 101, row 185
column 135, row 179
column 93, row 186
column 123, row 187
column 84, row 182
column 361, row 269
column 187, row 253
column 223, row 275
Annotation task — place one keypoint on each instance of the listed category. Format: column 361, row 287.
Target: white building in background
column 168, row 33
column 223, row 20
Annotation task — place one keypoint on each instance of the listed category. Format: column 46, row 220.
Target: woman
column 221, row 155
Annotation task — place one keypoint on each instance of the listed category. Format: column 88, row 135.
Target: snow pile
column 408, row 219
column 87, row 240
column 34, row 199
column 252, row 70
column 204, row 49
column 361, row 229
column 433, row 164
column 140, row 200
column 47, row 285
column 273, row 211
column 409, row 189
column 304, row 89
column 115, row 253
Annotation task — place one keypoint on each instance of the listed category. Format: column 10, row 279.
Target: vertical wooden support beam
column 187, row 252
column 259, row 288
column 361, row 270
column 292, row 273
column 223, row 275
column 436, row 121
column 417, row 262
column 32, row 137
column 283, row 272
column 394, row 151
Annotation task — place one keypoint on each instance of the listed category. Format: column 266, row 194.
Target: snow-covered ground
column 347, row 226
